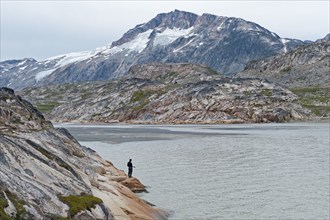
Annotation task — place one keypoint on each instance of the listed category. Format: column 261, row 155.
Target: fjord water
column 258, row 171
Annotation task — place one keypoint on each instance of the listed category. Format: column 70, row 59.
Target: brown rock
column 134, row 184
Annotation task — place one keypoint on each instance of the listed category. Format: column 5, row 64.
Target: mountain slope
column 223, row 43
column 305, row 70
column 307, row 65
column 170, row 93
column 46, row 174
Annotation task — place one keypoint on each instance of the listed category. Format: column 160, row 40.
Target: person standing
column 130, row 168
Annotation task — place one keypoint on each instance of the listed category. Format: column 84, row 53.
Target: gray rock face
column 174, row 93
column 305, row 66
column 38, row 163
column 225, row 44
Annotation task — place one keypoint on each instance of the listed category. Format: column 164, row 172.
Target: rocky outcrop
column 172, row 93
column 46, row 174
column 306, row 66
column 225, row 44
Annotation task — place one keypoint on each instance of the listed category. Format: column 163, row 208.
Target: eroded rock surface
column 172, row 93
column 39, row 164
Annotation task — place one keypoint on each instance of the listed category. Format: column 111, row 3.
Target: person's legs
column 130, row 171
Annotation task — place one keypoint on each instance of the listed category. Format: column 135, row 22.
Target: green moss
column 318, row 110
column 247, row 93
column 3, row 204
column 286, row 69
column 141, row 98
column 304, row 90
column 266, row 92
column 86, row 95
column 19, row 205
column 96, row 115
column 59, row 218
column 3, row 215
column 141, row 95
column 314, row 98
column 80, row 203
column 47, row 107
column 3, row 201
column 141, row 106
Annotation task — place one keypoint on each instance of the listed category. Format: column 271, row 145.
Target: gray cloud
column 41, row 29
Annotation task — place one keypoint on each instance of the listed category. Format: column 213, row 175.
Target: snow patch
column 180, row 48
column 65, row 59
column 23, row 68
column 138, row 44
column 284, row 41
column 113, row 50
column 21, row 63
column 221, row 26
column 43, row 74
column 170, row 35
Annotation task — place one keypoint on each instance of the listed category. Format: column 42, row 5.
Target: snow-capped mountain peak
column 226, row 44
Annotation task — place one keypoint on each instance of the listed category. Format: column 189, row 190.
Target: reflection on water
column 268, row 171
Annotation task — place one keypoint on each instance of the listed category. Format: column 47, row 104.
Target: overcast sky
column 41, row 29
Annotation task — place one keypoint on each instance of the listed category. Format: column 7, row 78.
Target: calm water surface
column 258, row 171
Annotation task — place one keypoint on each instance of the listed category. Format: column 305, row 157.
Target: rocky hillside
column 46, row 174
column 305, row 70
column 226, row 44
column 169, row 93
column 305, row 66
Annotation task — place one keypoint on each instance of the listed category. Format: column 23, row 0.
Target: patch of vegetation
column 47, row 107
column 212, row 71
column 141, row 95
column 286, row 69
column 169, row 75
column 3, row 205
column 266, row 92
column 59, row 218
column 316, row 99
column 19, row 205
column 319, row 110
column 247, row 93
column 96, row 115
column 80, row 203
column 310, row 90
column 86, row 95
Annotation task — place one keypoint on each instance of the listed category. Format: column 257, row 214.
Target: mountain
column 46, row 174
column 169, row 93
column 305, row 66
column 225, row 44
